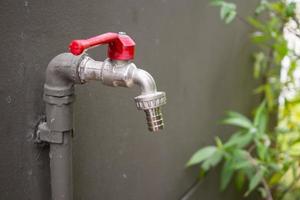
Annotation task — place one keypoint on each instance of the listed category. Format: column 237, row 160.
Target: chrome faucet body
column 126, row 74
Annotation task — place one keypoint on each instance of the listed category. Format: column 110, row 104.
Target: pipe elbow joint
column 62, row 74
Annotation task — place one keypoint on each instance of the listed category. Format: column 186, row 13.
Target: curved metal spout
column 145, row 81
column 150, row 99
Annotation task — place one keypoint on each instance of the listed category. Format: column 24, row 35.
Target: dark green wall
column 202, row 64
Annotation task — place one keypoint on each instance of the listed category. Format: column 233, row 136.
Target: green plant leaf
column 277, row 6
column 240, row 140
column 257, row 24
column 261, row 117
column 260, row 89
column 263, row 192
column 254, row 182
column 239, row 180
column 230, row 17
column 259, row 64
column 275, row 179
column 238, row 119
column 228, row 12
column 219, row 142
column 261, row 7
column 262, row 150
column 281, row 49
column 292, row 68
column 226, row 174
column 212, row 161
column 269, row 96
column 290, row 9
column 201, row 155
column 294, row 150
column 243, row 165
column 241, row 159
column 260, row 111
column 260, row 38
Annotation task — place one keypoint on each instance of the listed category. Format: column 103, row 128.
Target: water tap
column 119, row 70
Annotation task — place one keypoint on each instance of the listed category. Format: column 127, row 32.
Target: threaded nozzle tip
column 154, row 119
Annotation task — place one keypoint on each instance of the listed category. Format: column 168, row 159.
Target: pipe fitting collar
column 150, row 101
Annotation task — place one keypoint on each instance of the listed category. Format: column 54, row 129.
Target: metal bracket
column 44, row 134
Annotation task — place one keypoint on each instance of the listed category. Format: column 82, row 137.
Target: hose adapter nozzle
column 151, row 104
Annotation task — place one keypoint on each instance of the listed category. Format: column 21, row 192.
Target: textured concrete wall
column 200, row 63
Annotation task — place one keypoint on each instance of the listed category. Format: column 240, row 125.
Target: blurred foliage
column 263, row 154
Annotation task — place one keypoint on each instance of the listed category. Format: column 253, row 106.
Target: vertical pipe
column 61, row 168
column 61, row 75
column 59, row 113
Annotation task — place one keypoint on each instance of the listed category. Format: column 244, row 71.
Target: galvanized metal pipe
column 61, row 75
column 61, row 169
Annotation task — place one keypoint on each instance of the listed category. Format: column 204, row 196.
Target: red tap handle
column 120, row 45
